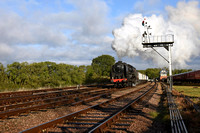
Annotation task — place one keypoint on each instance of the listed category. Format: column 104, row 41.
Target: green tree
column 102, row 64
column 2, row 73
column 90, row 75
column 49, row 74
column 153, row 72
column 177, row 71
column 3, row 78
column 13, row 71
column 82, row 74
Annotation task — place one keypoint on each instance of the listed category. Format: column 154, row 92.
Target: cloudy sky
column 76, row 31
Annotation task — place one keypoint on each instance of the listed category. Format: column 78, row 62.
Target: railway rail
column 177, row 123
column 76, row 97
column 93, row 118
column 31, row 92
column 41, row 95
column 121, row 120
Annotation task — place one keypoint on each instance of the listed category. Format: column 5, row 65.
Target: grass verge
column 193, row 91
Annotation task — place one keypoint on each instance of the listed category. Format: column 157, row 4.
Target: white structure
column 142, row 76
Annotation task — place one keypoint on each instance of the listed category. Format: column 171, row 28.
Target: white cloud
column 182, row 21
column 15, row 30
column 75, row 35
column 5, row 50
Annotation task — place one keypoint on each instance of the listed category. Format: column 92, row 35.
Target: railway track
column 31, row 92
column 24, row 104
column 41, row 95
column 177, row 123
column 96, row 117
column 122, row 121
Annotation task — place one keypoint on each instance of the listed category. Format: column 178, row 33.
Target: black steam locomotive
column 123, row 75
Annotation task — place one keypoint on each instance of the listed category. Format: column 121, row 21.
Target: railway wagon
column 123, row 74
column 142, row 77
column 192, row 76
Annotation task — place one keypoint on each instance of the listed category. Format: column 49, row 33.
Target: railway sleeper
column 96, row 111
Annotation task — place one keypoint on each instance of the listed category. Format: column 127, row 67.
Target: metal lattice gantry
column 158, row 41
column 166, row 41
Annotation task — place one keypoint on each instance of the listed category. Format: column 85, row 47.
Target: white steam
column 183, row 22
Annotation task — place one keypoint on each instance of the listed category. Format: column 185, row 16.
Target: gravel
column 144, row 121
column 25, row 121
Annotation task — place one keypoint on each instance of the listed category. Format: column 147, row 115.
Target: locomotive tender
column 123, row 75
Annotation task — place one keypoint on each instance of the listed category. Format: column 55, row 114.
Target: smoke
column 182, row 21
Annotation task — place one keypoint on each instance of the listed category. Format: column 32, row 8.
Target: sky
column 76, row 31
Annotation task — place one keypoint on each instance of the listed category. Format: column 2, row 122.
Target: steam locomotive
column 123, row 75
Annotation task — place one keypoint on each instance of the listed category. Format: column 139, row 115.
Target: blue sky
column 69, row 31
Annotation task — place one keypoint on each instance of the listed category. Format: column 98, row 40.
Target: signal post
column 166, row 41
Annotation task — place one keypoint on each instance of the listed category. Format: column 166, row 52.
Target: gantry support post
column 170, row 68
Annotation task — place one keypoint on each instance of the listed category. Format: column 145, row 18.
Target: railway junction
column 148, row 107
column 51, row 44
column 129, row 104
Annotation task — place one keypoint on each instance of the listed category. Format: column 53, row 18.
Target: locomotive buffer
column 166, row 41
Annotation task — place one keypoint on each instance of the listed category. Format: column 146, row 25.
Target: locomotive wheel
column 115, row 85
column 130, row 84
column 125, row 85
column 133, row 84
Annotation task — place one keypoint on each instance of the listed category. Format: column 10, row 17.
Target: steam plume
column 182, row 21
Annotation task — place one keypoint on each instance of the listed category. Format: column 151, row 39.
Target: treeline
column 43, row 74
column 154, row 72
column 49, row 74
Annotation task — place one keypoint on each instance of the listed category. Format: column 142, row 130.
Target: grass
column 193, row 91
column 153, row 114
column 162, row 115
